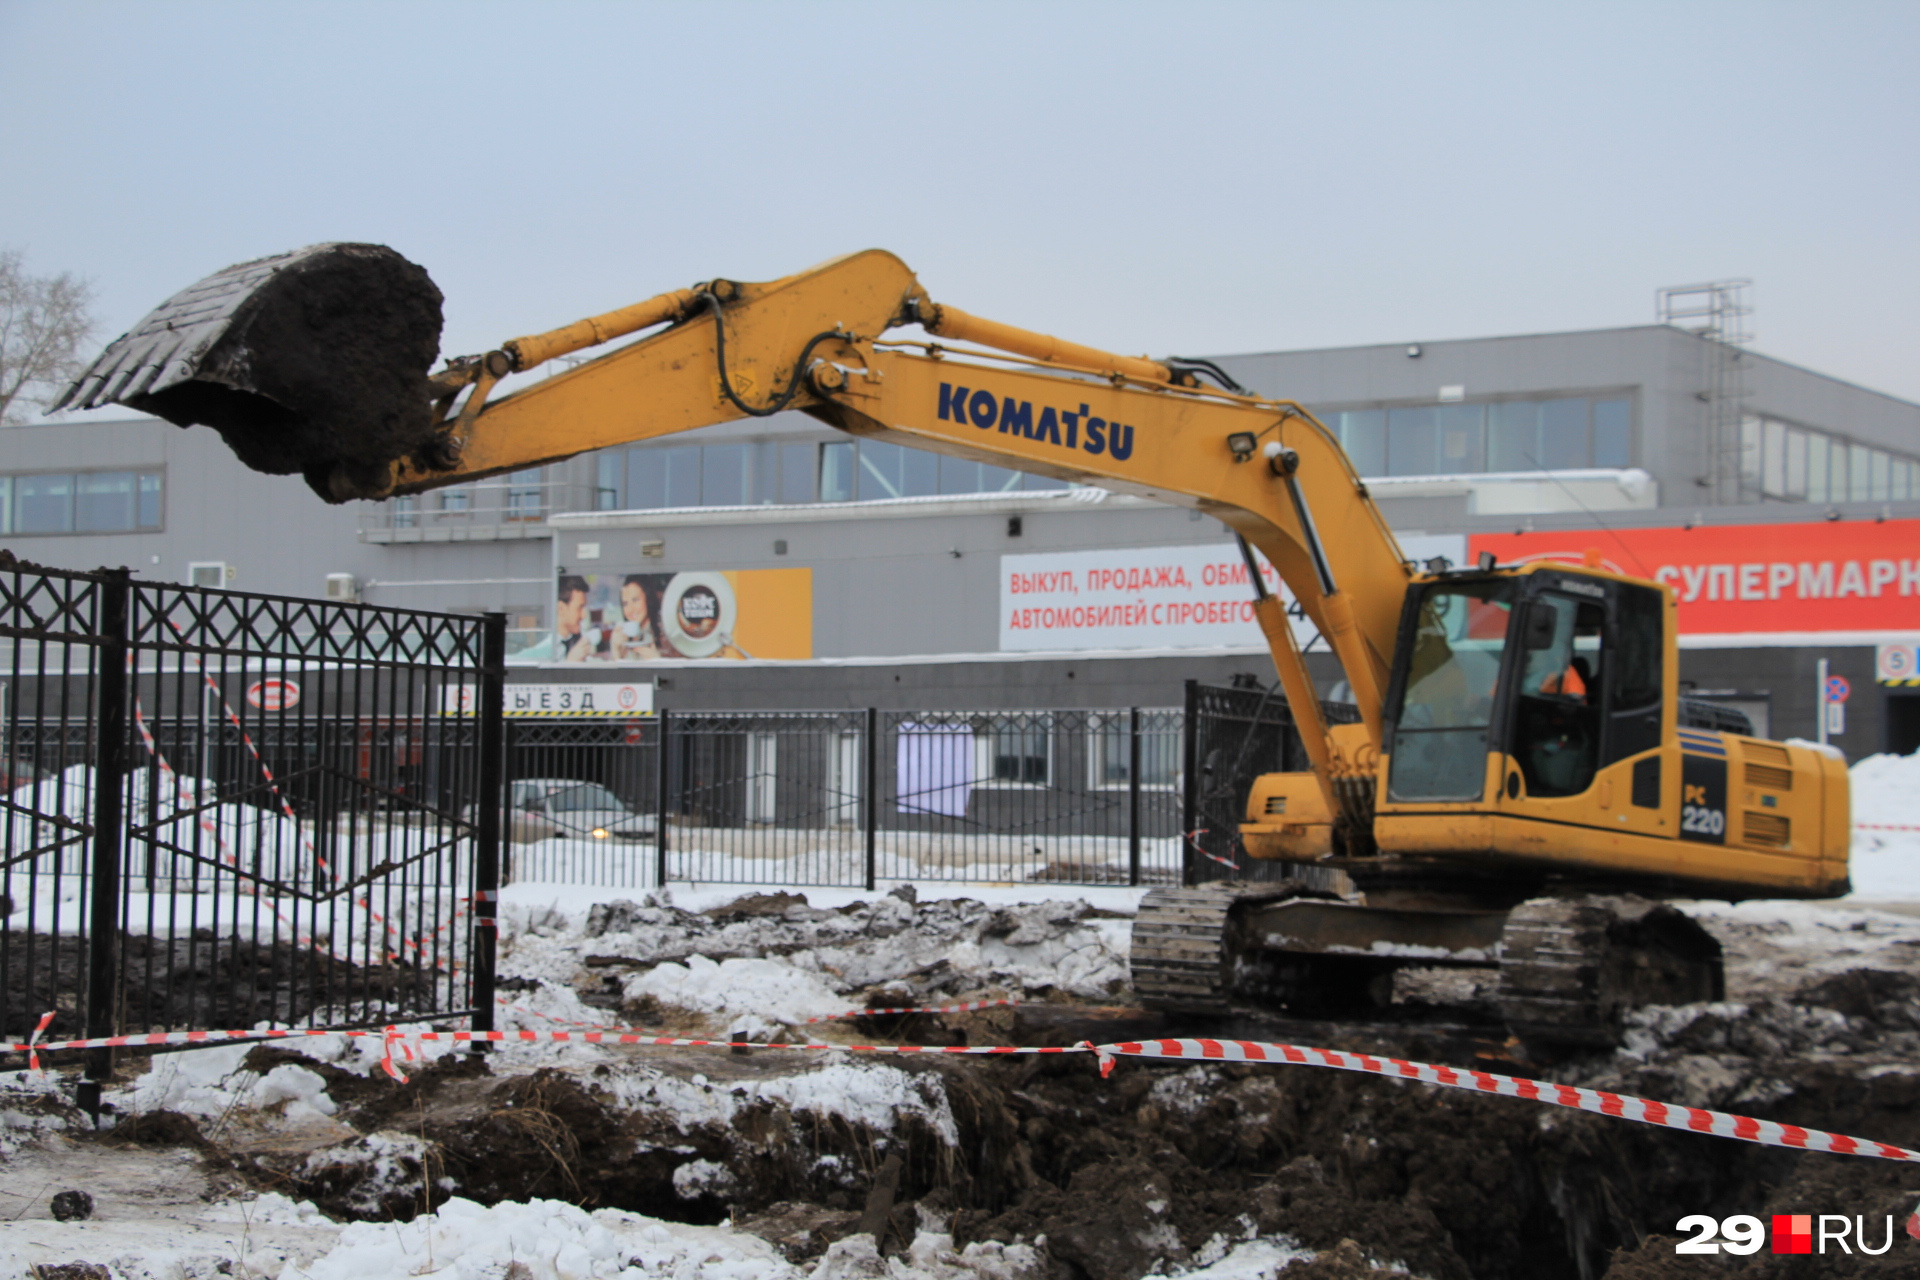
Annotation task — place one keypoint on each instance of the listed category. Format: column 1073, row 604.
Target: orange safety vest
column 1567, row 683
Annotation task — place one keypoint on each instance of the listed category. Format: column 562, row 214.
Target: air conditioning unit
column 209, row 573
column 342, row 587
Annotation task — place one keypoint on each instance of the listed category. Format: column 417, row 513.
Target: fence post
column 109, row 822
column 1133, row 795
column 1190, row 781
column 493, row 764
column 663, row 768
column 870, row 794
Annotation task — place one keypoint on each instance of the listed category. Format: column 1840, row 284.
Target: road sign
column 274, row 695
column 1896, row 663
column 1838, row 688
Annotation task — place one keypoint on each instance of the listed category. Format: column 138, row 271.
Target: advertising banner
column 1194, row 596
column 706, row 613
column 1833, row 582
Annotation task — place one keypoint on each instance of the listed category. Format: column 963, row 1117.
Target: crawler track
column 1181, row 951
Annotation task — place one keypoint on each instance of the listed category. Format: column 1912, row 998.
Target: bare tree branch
column 44, row 321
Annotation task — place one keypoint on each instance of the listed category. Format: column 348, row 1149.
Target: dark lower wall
column 990, row 685
column 1782, row 678
column 1789, row 677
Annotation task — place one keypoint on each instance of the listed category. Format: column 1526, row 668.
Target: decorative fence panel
column 225, row 808
column 1233, row 735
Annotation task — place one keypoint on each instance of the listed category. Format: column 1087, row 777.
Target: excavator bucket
column 314, row 361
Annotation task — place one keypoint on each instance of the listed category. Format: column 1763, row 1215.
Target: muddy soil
column 200, row 981
column 1156, row 1166
column 324, row 366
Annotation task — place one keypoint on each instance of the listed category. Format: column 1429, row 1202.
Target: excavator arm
column 817, row 342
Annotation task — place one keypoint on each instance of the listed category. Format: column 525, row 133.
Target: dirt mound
column 160, row 1129
column 1884, row 997
column 323, row 367
column 1345, row 1261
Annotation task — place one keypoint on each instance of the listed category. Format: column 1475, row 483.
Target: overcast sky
column 1172, row 178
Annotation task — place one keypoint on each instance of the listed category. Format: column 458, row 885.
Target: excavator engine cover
column 314, row 361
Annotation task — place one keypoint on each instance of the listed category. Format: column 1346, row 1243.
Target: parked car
column 566, row 808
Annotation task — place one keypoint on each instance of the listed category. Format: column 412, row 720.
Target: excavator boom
column 1521, row 730
column 816, row 342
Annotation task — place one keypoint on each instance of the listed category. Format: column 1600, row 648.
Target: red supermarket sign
column 274, row 695
column 1840, row 581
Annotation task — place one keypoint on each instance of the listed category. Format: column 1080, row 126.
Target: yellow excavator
column 1523, row 786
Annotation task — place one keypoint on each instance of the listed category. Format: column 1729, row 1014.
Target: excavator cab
column 1533, row 718
column 1555, row 673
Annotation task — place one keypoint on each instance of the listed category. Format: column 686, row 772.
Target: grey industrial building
column 1615, row 436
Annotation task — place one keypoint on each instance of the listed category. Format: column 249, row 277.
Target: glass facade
column 1789, row 463
column 728, row 475
column 1555, row 434
column 80, row 502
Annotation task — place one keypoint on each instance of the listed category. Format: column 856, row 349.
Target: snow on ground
column 208, row 1082
column 736, row 989
column 1886, row 792
column 789, row 958
column 726, row 957
column 270, row 1235
column 524, row 900
column 874, row 1094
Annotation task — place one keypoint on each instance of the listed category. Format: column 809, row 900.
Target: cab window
column 1556, row 737
column 1445, row 714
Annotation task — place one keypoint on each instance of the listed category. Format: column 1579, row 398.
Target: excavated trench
column 1128, row 1174
column 1156, row 1168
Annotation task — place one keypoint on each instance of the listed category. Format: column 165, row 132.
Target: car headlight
column 599, row 833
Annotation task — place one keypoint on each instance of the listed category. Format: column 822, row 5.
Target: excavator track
column 1180, row 954
column 1183, row 955
column 1571, row 968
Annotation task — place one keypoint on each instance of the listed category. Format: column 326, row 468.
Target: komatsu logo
column 1064, row 427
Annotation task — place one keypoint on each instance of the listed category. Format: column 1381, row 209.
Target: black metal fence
column 223, row 808
column 848, row 798
column 1134, row 796
column 1233, row 735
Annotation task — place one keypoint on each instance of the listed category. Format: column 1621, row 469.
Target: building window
column 836, row 472
column 652, row 477
column 610, row 491
column 796, row 465
column 406, row 511
column 1784, row 462
column 1110, row 750
column 1562, row 433
column 526, row 495
column 1013, row 751
column 456, row 501
column 726, row 475
column 82, row 502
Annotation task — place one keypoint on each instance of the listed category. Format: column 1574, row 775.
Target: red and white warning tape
column 1620, row 1106
column 1886, row 826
